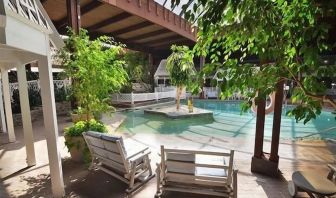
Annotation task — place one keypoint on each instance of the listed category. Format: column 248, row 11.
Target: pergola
column 26, row 36
column 143, row 25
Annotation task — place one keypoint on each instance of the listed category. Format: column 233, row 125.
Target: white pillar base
column 26, row 118
column 2, row 112
column 50, row 123
column 8, row 106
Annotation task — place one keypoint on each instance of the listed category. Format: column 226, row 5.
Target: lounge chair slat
column 193, row 165
column 191, row 177
column 198, row 191
column 197, row 152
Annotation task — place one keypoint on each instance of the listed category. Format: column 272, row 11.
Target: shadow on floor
column 273, row 187
column 39, row 186
column 3, row 191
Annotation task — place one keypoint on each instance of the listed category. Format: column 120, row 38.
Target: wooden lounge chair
column 201, row 172
column 124, row 160
column 313, row 183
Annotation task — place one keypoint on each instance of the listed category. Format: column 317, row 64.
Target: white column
column 25, row 112
column 50, row 124
column 8, row 106
column 2, row 111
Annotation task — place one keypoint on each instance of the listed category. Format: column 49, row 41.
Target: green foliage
column 180, row 66
column 286, row 36
column 137, row 66
column 60, row 94
column 76, row 131
column 34, row 100
column 95, row 69
column 78, row 128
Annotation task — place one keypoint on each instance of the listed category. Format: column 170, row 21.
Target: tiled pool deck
column 18, row 181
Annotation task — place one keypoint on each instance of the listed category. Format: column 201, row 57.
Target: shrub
column 82, row 126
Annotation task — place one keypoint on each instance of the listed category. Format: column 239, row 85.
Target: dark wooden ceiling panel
column 110, row 20
column 157, row 36
column 133, row 20
column 142, row 31
column 105, row 12
column 137, row 29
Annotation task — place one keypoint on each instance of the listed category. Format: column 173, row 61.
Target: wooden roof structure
column 142, row 25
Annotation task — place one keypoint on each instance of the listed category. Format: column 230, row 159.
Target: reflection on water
column 228, row 121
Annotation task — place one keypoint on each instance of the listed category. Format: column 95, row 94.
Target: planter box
column 77, row 147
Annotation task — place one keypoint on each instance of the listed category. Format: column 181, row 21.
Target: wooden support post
column 260, row 125
column 277, row 121
column 8, row 106
column 73, row 14
column 25, row 112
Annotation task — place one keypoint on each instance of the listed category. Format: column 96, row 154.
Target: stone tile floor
column 16, row 180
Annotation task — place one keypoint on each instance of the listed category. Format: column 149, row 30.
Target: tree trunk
column 178, row 93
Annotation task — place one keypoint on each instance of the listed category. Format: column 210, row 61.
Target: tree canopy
column 180, row 67
column 286, row 37
column 95, row 69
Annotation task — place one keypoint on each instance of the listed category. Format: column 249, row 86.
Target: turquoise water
column 228, row 122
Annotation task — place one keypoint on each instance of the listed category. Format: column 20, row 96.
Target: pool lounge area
column 80, row 182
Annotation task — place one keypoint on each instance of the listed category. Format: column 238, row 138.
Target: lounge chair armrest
column 332, row 168
column 137, row 153
column 235, row 182
column 332, row 172
column 234, row 167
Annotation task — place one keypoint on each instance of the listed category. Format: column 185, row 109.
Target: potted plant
column 75, row 142
column 96, row 71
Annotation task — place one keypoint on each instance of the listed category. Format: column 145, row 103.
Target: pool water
column 228, row 121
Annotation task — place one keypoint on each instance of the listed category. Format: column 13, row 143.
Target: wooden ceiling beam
column 111, row 20
column 85, row 9
column 168, row 45
column 131, row 28
column 164, row 39
column 129, row 45
column 149, row 34
column 156, row 16
column 179, row 41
